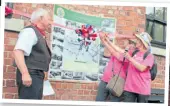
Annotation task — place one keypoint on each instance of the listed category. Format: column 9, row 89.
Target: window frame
column 163, row 22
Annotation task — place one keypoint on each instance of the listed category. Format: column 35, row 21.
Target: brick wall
column 128, row 19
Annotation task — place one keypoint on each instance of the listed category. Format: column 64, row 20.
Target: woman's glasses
column 132, row 42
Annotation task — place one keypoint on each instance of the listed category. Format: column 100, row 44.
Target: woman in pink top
column 113, row 67
column 138, row 81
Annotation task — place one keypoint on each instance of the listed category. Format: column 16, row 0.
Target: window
column 156, row 22
column 10, row 5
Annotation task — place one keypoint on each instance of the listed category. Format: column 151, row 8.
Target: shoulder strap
column 146, row 54
column 136, row 50
column 112, row 65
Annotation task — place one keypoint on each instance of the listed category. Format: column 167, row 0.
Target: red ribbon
column 41, row 31
column 8, row 11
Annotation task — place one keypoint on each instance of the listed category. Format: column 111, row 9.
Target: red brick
column 133, row 14
column 8, row 61
column 58, row 97
column 9, row 96
column 127, row 32
column 104, row 11
column 95, row 86
column 121, row 22
column 52, row 97
column 98, row 10
column 119, row 27
column 141, row 17
column 76, row 86
column 108, row 15
column 70, row 97
column 75, row 92
column 10, row 41
column 86, row 92
column 9, row 75
column 64, row 85
column 11, row 69
column 60, row 92
column 9, row 47
column 46, row 97
column 128, row 8
column 71, row 92
column 11, row 35
column 4, row 83
column 82, row 98
column 10, row 83
column 141, row 25
column 58, row 85
column 157, row 85
column 10, row 55
column 94, row 97
column 120, row 31
column 4, row 68
column 75, row 98
column 129, row 28
column 128, row 23
column 5, row 54
column 80, row 92
column 89, row 98
column 53, row 84
column 93, row 92
column 83, row 86
column 89, row 86
column 122, row 13
column 158, row 80
column 64, row 97
column 9, row 89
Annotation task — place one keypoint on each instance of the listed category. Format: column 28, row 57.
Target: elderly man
column 32, row 56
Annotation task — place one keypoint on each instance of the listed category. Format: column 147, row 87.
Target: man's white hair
column 37, row 14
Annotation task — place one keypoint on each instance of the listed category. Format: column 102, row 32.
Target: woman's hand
column 127, row 56
column 102, row 35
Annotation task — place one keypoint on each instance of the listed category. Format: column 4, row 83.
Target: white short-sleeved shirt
column 26, row 40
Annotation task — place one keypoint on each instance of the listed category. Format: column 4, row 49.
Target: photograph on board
column 87, row 52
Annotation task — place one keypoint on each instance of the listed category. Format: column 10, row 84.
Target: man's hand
column 46, row 76
column 26, row 79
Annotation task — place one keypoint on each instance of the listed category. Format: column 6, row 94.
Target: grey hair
column 37, row 14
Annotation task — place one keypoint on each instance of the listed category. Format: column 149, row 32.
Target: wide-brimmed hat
column 145, row 38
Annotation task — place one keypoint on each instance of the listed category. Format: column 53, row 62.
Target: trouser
column 103, row 94
column 35, row 91
column 134, row 97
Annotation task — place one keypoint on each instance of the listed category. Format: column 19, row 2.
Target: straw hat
column 145, row 38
